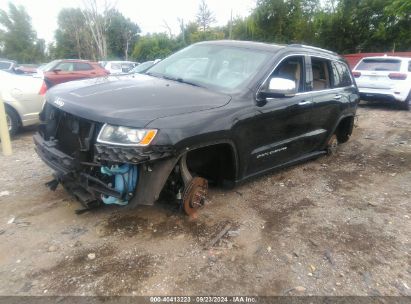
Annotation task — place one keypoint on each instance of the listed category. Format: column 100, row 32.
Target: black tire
column 13, row 121
column 406, row 105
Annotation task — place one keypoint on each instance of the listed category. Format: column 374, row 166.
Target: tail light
column 356, row 74
column 43, row 88
column 397, row 76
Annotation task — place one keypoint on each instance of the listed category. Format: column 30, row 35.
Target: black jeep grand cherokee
column 215, row 112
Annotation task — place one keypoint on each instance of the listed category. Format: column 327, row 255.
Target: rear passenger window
column 321, row 74
column 81, row 66
column 341, row 75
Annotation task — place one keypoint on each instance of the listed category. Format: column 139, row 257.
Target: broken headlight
column 125, row 136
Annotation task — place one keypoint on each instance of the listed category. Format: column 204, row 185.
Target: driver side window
column 292, row 68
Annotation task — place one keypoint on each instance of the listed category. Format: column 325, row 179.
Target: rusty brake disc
column 195, row 195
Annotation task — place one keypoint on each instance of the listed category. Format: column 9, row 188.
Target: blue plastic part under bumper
column 125, row 182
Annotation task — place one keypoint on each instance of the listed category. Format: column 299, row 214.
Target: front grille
column 75, row 136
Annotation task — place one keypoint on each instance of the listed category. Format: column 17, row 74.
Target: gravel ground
column 337, row 225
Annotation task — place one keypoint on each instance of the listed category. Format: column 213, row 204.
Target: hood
column 132, row 100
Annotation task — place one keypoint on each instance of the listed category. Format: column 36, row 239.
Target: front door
column 282, row 130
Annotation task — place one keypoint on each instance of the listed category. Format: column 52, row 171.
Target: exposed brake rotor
column 332, row 145
column 194, row 195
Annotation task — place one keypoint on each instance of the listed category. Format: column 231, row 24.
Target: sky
column 150, row 15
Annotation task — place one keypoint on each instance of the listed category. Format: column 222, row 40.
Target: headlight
column 124, row 136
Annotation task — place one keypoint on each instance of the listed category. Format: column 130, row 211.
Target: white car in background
column 119, row 67
column 385, row 78
column 23, row 97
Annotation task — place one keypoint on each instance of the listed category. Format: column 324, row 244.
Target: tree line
column 102, row 32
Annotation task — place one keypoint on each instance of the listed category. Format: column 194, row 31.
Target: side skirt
column 287, row 164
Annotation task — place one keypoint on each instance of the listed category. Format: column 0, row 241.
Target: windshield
column 379, row 64
column 142, row 67
column 224, row 68
column 47, row 67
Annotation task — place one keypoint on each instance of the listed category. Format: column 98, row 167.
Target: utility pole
column 183, row 32
column 230, row 35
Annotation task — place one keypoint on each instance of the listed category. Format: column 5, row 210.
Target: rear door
column 333, row 89
column 84, row 70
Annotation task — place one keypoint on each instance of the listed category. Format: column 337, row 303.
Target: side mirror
column 56, row 70
column 280, row 87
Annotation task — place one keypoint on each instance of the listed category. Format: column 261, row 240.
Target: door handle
column 337, row 97
column 304, row 103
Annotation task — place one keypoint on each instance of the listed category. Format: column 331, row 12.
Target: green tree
column 122, row 34
column 18, row 39
column 155, row 46
column 73, row 37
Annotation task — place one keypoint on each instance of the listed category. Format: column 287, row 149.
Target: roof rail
column 313, row 48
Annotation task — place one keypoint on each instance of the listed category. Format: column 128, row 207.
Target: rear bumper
column 381, row 95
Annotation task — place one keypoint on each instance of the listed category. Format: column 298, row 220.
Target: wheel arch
column 343, row 128
column 12, row 108
column 200, row 157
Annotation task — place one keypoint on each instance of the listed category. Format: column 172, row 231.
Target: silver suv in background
column 119, row 67
column 385, row 78
column 7, row 65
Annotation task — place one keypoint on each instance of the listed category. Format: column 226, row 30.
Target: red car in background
column 59, row 71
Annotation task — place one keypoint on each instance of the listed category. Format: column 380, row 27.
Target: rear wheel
column 13, row 121
column 406, row 105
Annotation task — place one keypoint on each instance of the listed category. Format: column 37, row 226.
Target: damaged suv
column 214, row 113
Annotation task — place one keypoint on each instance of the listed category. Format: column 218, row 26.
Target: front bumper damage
column 120, row 175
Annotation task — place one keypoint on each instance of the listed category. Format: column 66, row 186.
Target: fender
column 154, row 175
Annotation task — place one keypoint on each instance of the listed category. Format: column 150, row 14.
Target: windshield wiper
column 179, row 79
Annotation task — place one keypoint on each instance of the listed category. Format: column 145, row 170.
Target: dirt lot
column 333, row 226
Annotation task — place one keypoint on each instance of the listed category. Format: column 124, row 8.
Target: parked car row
column 12, row 67
column 379, row 78
column 23, row 93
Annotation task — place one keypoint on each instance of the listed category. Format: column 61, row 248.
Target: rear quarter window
column 379, row 65
column 341, row 75
column 81, row 66
column 409, row 66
